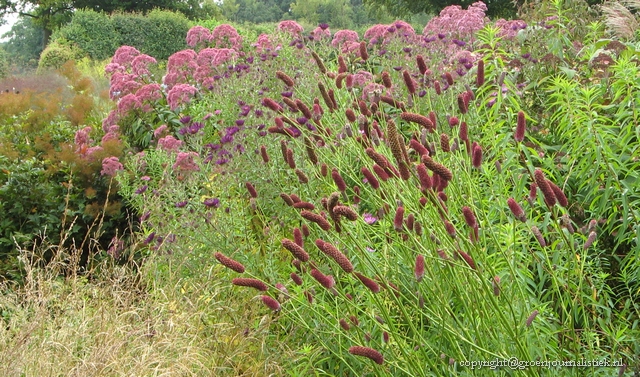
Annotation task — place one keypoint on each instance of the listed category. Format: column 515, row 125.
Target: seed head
column 467, row 258
column 335, row 254
column 437, row 168
column 422, row 66
column 590, row 240
column 285, row 78
column 295, row 249
column 271, row 303
column 496, row 285
column 345, row 326
column 418, row 119
column 419, row 268
column 480, row 76
column 386, row 79
column 516, row 209
column 363, row 51
column 337, row 179
column 371, row 179
column 531, row 317
column 319, row 62
column 536, row 232
column 408, row 81
column 398, row 219
column 302, row 178
column 251, row 189
column 345, row 211
column 273, row 105
column 547, row 191
column 286, row 198
column 248, row 282
column 367, row 352
column 444, row 142
column 521, row 126
column 229, row 263
column 559, row 194
column 318, row 219
column 296, row 279
column 476, row 156
column 326, row 281
column 369, row 283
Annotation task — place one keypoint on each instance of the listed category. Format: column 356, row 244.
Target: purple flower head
column 181, row 204
column 185, row 119
column 212, row 202
column 287, row 94
column 458, row 42
column 369, row 218
column 244, row 110
column 407, row 49
column 142, row 189
column 323, row 26
column 239, row 122
column 441, row 36
column 258, row 113
column 302, row 120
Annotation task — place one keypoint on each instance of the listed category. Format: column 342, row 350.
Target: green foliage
column 159, row 33
column 93, row 32
column 4, row 63
column 24, row 44
column 497, row 8
column 56, row 54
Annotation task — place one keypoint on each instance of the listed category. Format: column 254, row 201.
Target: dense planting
column 399, row 202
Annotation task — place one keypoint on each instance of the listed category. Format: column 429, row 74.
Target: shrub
column 4, row 63
column 92, row 32
column 56, row 54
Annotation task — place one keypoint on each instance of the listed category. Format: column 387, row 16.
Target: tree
column 47, row 14
column 25, row 43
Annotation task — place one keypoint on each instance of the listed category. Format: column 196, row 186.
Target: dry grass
column 118, row 324
column 619, row 18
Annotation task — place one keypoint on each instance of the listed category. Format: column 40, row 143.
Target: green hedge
column 160, row 33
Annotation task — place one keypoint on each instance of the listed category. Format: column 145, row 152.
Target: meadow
column 458, row 199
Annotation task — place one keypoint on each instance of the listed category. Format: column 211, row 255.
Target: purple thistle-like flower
column 369, row 218
column 142, row 189
column 212, row 202
column 181, row 204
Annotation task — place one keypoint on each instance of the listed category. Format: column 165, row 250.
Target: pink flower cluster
column 185, row 162
column 291, row 27
column 169, row 143
column 263, row 43
column 383, row 34
column 321, row 33
column 180, row 67
column 456, row 22
column 344, row 36
column 509, row 29
column 226, row 36
column 128, row 70
column 110, row 166
column 179, row 94
column 198, row 36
